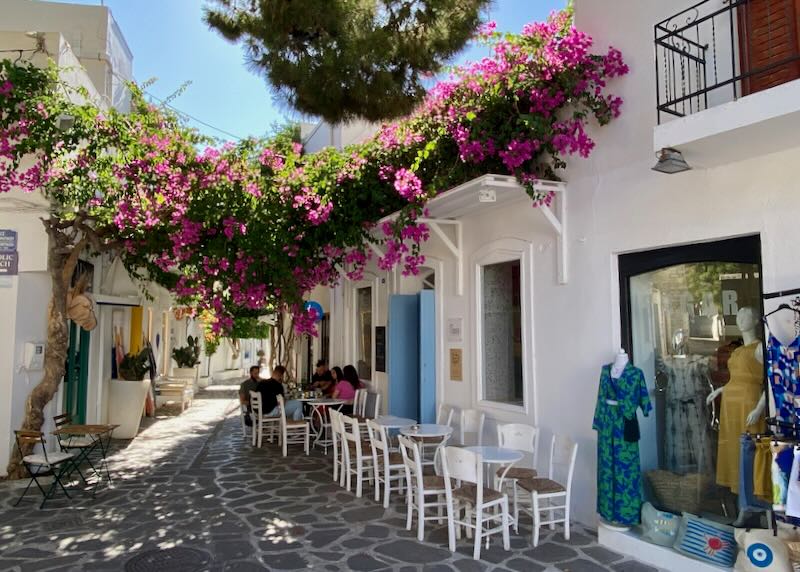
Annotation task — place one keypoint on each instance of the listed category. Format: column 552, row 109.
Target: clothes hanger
column 779, row 308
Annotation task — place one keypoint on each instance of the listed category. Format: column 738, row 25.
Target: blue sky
column 170, row 42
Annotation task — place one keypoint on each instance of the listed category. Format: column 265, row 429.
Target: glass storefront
column 691, row 320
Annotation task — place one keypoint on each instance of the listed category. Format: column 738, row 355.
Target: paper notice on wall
column 455, row 365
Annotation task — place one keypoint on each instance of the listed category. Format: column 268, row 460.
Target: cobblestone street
column 190, row 494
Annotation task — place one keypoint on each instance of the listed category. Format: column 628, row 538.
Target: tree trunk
column 60, row 264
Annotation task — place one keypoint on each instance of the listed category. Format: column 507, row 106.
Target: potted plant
column 188, row 358
column 127, row 394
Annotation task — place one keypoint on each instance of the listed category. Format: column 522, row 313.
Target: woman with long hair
column 346, row 388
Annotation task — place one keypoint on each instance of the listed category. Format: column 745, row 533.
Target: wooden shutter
column 769, row 33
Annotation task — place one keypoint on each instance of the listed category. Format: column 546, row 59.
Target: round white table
column 426, row 430
column 393, row 422
column 318, row 411
column 497, row 456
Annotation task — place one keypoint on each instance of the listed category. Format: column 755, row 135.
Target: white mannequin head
column 746, row 319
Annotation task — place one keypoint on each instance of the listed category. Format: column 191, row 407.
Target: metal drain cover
column 170, row 559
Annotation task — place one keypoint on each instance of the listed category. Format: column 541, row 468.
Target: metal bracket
column 557, row 220
column 456, row 248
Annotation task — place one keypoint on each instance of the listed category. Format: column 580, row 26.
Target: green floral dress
column 619, row 474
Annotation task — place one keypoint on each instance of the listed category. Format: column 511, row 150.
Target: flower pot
column 203, row 381
column 125, row 406
column 185, row 372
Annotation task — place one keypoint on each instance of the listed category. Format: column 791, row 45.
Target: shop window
column 692, row 323
column 501, row 333
column 364, row 332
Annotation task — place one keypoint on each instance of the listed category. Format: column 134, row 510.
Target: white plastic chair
column 358, row 454
column 523, row 438
column 553, row 494
column 419, row 486
column 293, row 431
column 387, row 465
column 262, row 421
column 466, row 468
column 471, row 422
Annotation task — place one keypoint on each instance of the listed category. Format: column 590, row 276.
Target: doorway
column 76, row 380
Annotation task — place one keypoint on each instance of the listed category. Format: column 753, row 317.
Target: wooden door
column 769, row 39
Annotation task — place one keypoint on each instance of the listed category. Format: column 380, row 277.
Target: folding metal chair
column 80, row 445
column 55, row 464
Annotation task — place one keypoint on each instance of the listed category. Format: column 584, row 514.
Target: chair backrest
column 563, row 454
column 519, row 436
column 255, row 403
column 412, row 458
column 445, row 415
column 462, row 466
column 359, row 402
column 472, row 422
column 372, row 404
column 351, row 431
column 27, row 440
column 282, row 408
column 379, row 441
column 61, row 420
column 333, row 415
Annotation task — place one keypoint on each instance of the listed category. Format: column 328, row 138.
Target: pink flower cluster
column 408, row 185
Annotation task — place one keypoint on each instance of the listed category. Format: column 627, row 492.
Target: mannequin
column 620, row 361
column 783, row 349
column 742, row 400
column 747, row 321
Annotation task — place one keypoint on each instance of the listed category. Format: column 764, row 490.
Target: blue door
column 411, row 346
column 403, row 350
column 427, row 357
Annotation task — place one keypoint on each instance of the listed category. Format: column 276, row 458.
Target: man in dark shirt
column 322, row 378
column 270, row 389
column 249, row 385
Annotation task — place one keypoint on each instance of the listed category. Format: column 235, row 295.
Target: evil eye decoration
column 760, row 555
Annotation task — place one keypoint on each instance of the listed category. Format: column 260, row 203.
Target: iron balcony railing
column 719, row 50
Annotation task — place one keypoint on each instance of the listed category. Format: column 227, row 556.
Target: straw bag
column 679, row 493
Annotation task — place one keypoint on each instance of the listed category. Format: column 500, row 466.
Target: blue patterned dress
column 619, row 473
column 784, row 377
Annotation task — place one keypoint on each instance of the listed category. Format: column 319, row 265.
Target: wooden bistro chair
column 294, row 432
column 80, row 445
column 466, row 469
column 262, row 423
column 361, row 405
column 358, row 454
column 339, row 444
column 44, row 464
column 419, row 487
column 443, row 417
column 553, row 494
column 525, row 439
column 471, row 422
column 387, row 464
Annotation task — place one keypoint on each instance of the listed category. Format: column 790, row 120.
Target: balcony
column 728, row 70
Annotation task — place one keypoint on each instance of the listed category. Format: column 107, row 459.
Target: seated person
column 322, row 379
column 346, row 388
column 245, row 388
column 270, row 389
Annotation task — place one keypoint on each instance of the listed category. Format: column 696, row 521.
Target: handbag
column 630, row 431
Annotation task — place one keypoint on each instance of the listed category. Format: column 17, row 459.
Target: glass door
column 691, row 322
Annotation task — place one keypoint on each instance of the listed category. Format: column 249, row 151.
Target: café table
column 99, row 439
column 497, row 456
column 394, row 422
column 417, row 432
column 319, row 411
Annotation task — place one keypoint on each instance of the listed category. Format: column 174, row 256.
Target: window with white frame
column 363, row 328
column 501, row 343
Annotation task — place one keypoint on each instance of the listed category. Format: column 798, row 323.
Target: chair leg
column 308, row 438
column 537, row 518
column 359, row 477
column 26, row 490
column 516, row 506
column 506, row 539
column 420, row 514
column 285, row 437
column 376, row 472
column 409, row 507
column 566, row 519
column 451, row 517
column 476, row 551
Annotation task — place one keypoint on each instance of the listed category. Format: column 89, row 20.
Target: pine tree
column 347, row 59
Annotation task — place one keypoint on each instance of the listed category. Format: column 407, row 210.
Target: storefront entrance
column 76, row 380
column 691, row 320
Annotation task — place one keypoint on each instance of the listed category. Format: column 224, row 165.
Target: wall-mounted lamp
column 670, row 161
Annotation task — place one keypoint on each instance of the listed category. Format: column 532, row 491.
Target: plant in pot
column 128, row 393
column 188, row 358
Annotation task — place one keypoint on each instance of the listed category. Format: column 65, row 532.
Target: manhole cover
column 171, row 559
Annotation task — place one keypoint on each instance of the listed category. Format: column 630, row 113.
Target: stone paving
column 190, row 494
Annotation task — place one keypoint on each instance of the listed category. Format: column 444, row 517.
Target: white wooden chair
column 359, row 402
column 471, row 422
column 293, row 431
column 358, row 454
column 554, row 493
column 443, row 417
column 174, row 391
column 525, row 439
column 242, row 415
column 387, row 465
column 419, row 486
column 262, row 422
column 339, row 444
column 466, row 469
column 361, row 408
